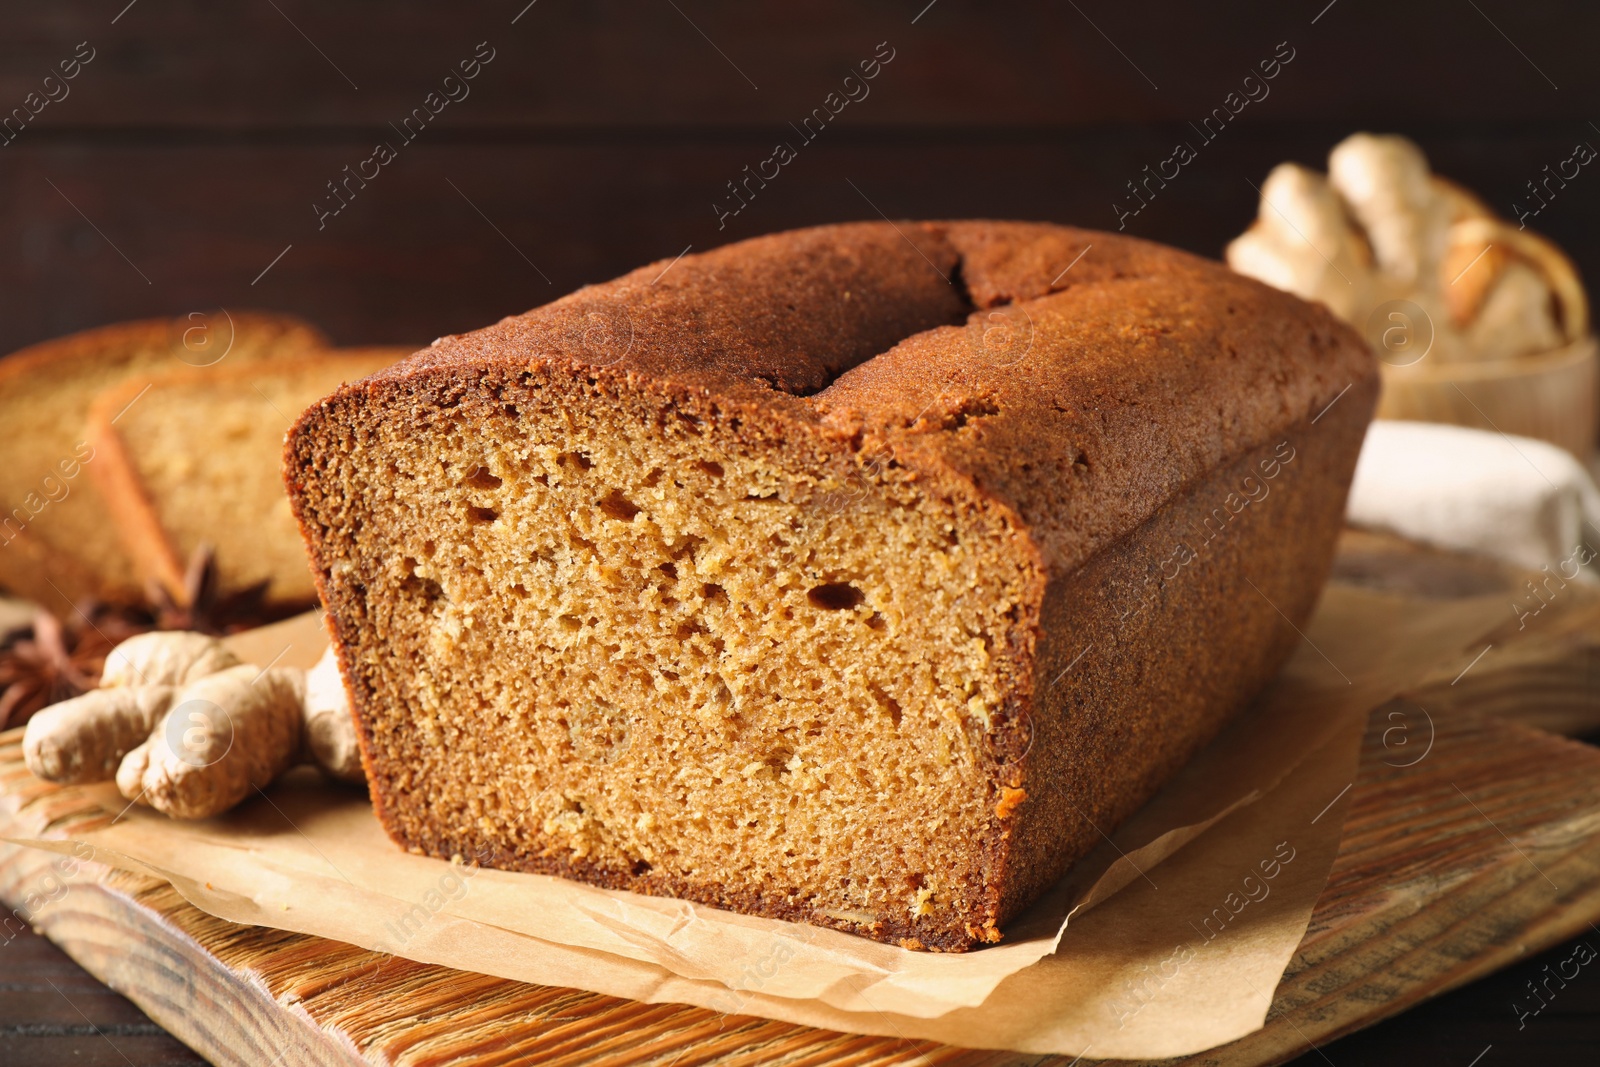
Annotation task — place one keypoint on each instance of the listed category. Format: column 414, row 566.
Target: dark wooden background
column 189, row 152
column 602, row 133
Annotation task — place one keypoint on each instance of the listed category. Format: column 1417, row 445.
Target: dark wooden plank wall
column 190, row 151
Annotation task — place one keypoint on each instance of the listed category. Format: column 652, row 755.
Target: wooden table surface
column 52, row 1013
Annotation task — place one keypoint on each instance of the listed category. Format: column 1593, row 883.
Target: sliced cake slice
column 58, row 544
column 192, row 459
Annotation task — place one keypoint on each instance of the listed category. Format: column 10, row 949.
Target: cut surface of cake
column 58, row 544
column 192, row 459
column 861, row 576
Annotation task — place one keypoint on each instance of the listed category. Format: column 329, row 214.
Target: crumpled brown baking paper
column 1181, row 924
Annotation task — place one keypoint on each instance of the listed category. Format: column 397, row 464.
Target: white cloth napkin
column 1525, row 501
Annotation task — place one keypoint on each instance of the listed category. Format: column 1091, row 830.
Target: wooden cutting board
column 1484, row 849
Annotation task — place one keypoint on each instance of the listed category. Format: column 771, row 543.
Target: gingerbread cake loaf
column 860, row 575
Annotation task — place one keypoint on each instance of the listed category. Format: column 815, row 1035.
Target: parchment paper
column 1181, row 951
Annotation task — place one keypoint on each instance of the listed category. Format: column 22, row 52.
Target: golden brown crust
column 125, row 495
column 1154, row 643
column 1089, row 400
column 1085, row 409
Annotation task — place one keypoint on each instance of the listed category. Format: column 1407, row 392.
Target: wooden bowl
column 1554, row 397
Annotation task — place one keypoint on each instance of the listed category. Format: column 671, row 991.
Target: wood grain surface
column 1471, row 841
column 53, row 1012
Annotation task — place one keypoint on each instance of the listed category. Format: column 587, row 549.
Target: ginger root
column 1385, row 184
column 1300, row 209
column 225, row 735
column 165, row 658
column 330, row 736
column 83, row 739
column 1381, row 231
column 185, row 728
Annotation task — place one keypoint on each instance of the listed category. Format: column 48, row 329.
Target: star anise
column 204, row 608
column 52, row 661
column 56, row 660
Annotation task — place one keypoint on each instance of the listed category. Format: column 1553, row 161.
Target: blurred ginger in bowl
column 1477, row 321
